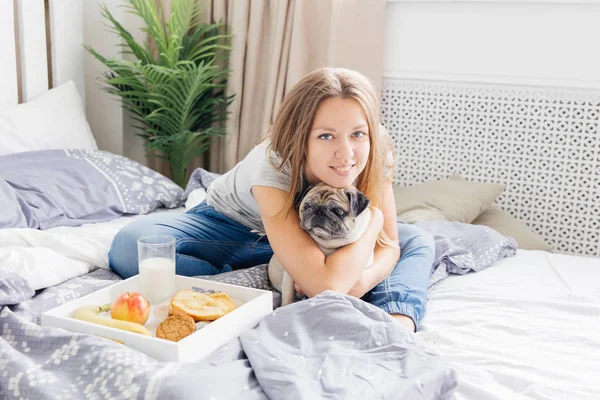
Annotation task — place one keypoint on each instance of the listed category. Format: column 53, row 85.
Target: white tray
column 253, row 305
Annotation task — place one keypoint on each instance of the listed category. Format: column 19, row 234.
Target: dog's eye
column 340, row 212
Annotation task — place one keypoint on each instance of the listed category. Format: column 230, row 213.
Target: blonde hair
column 289, row 132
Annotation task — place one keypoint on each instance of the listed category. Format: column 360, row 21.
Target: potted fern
column 178, row 95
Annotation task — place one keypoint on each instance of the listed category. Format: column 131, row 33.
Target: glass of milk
column 156, row 262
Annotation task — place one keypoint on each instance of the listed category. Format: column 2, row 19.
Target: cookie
column 176, row 327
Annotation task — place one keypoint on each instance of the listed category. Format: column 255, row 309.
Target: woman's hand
column 364, row 282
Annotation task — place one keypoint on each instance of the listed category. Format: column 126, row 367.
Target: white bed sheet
column 49, row 257
column 526, row 328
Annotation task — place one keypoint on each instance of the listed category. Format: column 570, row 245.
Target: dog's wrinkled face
column 330, row 213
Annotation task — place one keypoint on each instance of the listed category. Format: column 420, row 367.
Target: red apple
column 132, row 307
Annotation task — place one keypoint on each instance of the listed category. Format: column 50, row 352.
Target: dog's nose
column 321, row 210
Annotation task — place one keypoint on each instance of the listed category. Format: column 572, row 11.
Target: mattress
column 526, row 328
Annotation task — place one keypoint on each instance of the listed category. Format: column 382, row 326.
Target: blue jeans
column 210, row 243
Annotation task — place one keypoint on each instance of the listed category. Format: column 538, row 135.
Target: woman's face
column 338, row 143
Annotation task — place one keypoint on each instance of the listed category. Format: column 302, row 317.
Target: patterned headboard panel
column 543, row 143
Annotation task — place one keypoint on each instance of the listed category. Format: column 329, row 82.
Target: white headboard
column 41, row 47
column 543, row 143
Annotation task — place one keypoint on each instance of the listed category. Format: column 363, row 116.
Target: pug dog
column 333, row 218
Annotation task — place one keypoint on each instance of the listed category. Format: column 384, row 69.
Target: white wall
column 551, row 43
column 109, row 123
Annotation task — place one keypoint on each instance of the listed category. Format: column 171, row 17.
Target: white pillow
column 53, row 120
column 10, row 142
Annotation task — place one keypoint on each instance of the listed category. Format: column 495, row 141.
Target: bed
column 526, row 324
column 527, row 327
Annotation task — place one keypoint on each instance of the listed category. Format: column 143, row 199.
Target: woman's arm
column 301, row 256
column 384, row 258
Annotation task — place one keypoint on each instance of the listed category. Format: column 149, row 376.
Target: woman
column 326, row 130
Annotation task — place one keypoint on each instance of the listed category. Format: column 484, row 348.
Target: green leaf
column 177, row 99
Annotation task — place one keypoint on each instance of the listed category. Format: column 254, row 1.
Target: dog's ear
column 300, row 195
column 358, row 202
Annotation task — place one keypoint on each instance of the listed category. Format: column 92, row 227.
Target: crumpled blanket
column 331, row 346
column 195, row 190
column 200, row 178
column 462, row 248
column 336, row 346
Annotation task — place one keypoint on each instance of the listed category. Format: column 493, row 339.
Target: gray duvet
column 332, row 346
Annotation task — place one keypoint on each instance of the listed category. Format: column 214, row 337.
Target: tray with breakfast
column 199, row 317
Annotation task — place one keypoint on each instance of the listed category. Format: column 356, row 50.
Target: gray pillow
column 12, row 204
column 51, row 188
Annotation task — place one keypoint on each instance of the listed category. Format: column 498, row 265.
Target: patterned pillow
column 75, row 187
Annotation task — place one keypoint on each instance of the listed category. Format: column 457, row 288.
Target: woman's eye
column 325, row 136
column 359, row 134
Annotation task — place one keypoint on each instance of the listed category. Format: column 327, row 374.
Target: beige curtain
column 275, row 43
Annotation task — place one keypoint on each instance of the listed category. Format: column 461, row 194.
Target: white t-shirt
column 231, row 193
